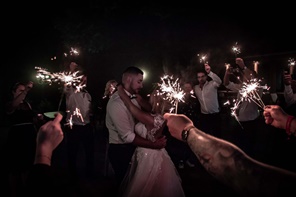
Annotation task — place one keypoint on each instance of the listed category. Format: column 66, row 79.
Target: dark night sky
column 142, row 35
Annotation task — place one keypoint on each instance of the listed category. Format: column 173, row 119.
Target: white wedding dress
column 152, row 172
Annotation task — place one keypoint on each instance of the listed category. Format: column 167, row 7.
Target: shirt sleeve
column 215, row 78
column 289, row 96
column 233, row 86
column 122, row 120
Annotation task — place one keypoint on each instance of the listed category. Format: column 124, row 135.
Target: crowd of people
column 146, row 142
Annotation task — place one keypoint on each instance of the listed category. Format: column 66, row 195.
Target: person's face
column 20, row 89
column 136, row 83
column 201, row 78
column 187, row 88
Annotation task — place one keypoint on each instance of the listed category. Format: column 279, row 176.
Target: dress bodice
column 141, row 129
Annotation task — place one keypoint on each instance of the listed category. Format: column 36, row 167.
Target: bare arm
column 230, row 164
column 140, row 115
column 226, row 76
column 145, row 105
column 144, row 117
column 50, row 135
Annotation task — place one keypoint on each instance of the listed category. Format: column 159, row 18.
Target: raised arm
column 14, row 103
column 230, row 164
column 214, row 76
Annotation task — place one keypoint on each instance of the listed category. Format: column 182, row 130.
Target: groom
column 120, row 123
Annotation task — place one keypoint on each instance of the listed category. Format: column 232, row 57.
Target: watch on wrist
column 185, row 133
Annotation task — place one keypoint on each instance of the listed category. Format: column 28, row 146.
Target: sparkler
column 69, row 78
column 236, row 49
column 202, row 58
column 72, row 52
column 172, row 91
column 291, row 64
column 248, row 92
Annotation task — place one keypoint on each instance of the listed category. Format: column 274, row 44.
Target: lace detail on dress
column 158, row 121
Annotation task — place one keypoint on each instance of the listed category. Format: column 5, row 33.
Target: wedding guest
column 207, row 93
column 232, row 166
column 21, row 140
column 249, row 125
column 79, row 130
column 110, row 88
column 191, row 108
column 43, row 180
column 289, row 93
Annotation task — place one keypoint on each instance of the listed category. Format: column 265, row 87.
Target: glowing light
column 170, row 88
column 291, row 64
column 69, row 78
column 202, row 58
column 236, row 49
column 248, row 92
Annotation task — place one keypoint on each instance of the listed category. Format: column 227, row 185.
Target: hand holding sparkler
column 291, row 65
column 202, row 58
column 240, row 62
column 287, row 79
column 275, row 116
column 207, row 68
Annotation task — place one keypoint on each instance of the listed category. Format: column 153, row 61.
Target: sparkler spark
column 202, row 58
column 69, row 78
column 236, row 49
column 248, row 92
column 172, row 91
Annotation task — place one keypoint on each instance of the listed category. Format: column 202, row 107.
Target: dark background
column 159, row 37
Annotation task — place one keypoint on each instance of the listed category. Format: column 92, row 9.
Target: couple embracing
column 136, row 151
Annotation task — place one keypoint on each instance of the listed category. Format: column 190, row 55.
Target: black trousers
column 120, row 156
column 76, row 137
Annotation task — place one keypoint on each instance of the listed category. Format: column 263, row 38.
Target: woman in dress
column 151, row 172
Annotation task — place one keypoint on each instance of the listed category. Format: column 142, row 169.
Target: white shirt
column 208, row 95
column 120, row 121
column 289, row 96
column 78, row 106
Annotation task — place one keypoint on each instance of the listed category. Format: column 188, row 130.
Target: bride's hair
column 159, row 103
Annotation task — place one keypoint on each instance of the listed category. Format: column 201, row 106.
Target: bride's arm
column 142, row 116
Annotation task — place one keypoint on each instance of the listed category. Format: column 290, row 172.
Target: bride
column 151, row 172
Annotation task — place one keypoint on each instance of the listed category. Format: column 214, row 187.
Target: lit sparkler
column 236, row 49
column 202, row 58
column 72, row 52
column 172, row 91
column 291, row 64
column 248, row 92
column 75, row 113
column 69, row 78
